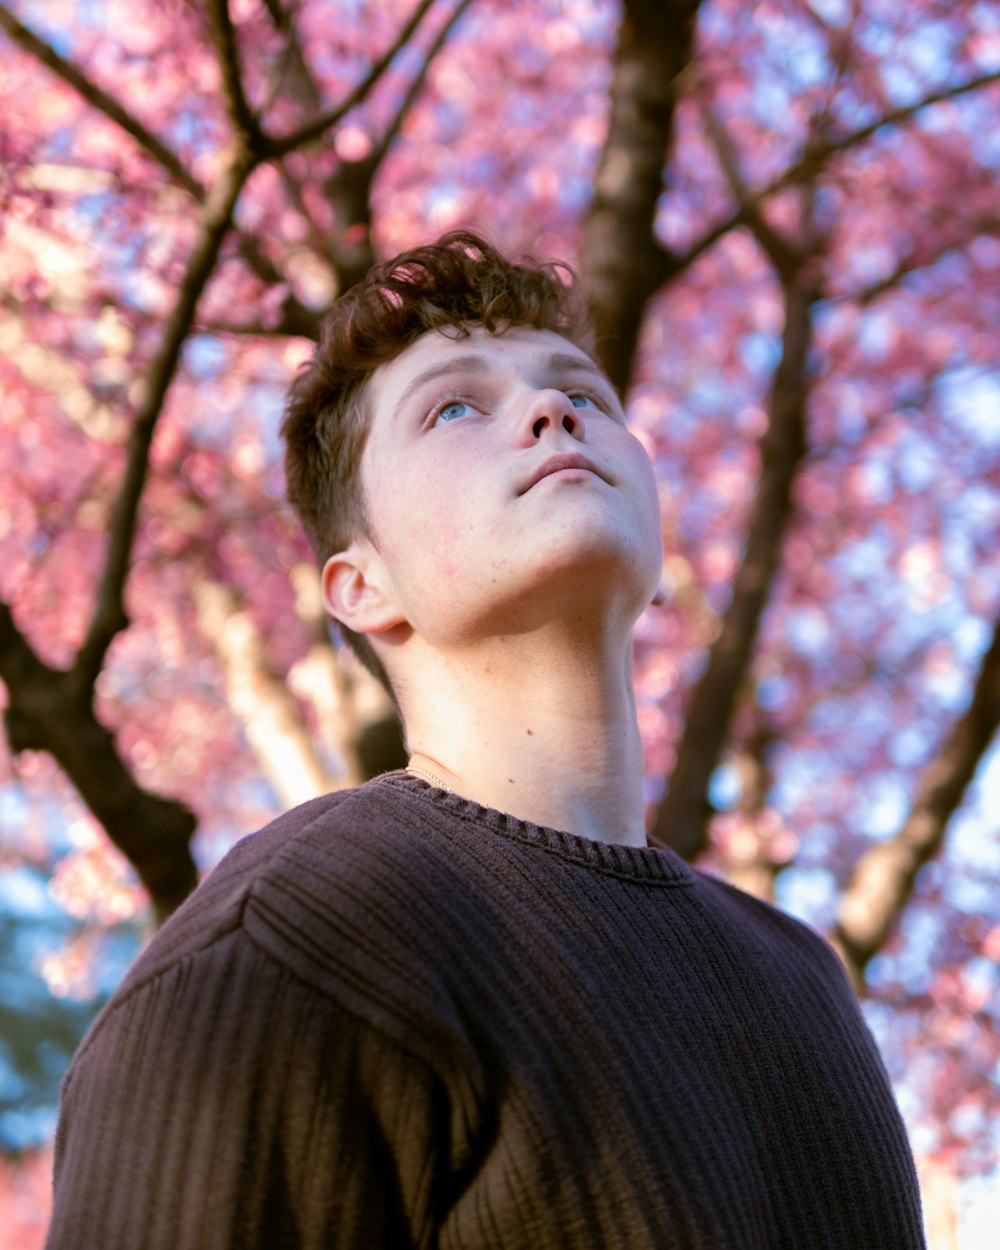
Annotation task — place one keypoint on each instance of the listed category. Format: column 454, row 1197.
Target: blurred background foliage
column 787, row 218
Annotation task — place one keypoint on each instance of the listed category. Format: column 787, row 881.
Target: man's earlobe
column 355, row 592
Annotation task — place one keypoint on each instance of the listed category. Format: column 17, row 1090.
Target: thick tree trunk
column 620, row 257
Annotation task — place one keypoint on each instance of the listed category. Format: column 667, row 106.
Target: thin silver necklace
column 436, row 781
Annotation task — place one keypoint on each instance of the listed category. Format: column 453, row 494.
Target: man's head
column 452, row 286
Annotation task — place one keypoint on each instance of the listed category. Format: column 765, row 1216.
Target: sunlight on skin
column 888, row 586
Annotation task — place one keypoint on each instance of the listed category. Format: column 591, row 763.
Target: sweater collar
column 653, row 865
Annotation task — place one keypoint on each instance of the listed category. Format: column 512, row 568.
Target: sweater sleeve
column 224, row 1103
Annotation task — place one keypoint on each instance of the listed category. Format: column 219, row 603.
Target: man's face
column 503, row 486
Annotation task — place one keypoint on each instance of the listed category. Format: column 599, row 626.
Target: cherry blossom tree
column 787, row 219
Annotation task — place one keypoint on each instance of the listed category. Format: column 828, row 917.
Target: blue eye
column 454, row 409
column 582, row 401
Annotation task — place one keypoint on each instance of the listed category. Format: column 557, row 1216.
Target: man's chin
column 589, row 563
column 591, row 583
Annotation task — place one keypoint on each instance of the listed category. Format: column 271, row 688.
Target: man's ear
column 357, row 591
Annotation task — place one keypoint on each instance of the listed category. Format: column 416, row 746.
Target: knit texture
column 395, row 1018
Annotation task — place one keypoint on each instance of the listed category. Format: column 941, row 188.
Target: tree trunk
column 620, row 257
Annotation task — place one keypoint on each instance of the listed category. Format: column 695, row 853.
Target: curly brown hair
column 457, row 283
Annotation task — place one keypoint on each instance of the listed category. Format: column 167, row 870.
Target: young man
column 466, row 1005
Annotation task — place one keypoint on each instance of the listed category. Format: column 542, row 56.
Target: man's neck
column 532, row 727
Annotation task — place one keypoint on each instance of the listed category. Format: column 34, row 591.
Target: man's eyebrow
column 469, row 363
column 474, row 362
column 561, row 360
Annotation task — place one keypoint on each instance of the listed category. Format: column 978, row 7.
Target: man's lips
column 555, row 464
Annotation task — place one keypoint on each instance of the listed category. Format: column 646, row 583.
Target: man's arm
column 225, row 1103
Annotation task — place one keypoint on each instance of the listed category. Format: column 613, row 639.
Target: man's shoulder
column 338, row 901
column 338, row 880
column 768, row 933
column 367, row 894
column 216, row 906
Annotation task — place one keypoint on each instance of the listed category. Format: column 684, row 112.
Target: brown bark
column 812, row 164
column 260, row 699
column 752, row 864
column 102, row 100
column 280, row 145
column 349, row 188
column 52, row 710
column 109, row 613
column 620, row 256
column 884, row 878
column 227, row 55
column 295, row 77
column 355, row 718
column 682, row 818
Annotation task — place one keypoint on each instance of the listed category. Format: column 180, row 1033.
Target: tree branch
column 750, row 856
column 109, row 614
column 291, row 324
column 260, row 699
column 227, row 56
column 782, row 253
column 52, row 710
column 279, row 145
column 620, row 255
column 303, row 84
column 102, row 101
column 153, row 146
column 906, row 265
column 682, row 818
column 18, row 662
column 884, row 878
column 348, row 189
column 416, row 86
column 820, row 153
column 810, row 165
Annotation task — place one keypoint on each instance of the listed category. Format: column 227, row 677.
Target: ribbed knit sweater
column 395, row 1018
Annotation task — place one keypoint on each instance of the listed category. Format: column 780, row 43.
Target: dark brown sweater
column 396, row 1018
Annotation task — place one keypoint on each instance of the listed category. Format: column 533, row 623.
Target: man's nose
column 551, row 410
